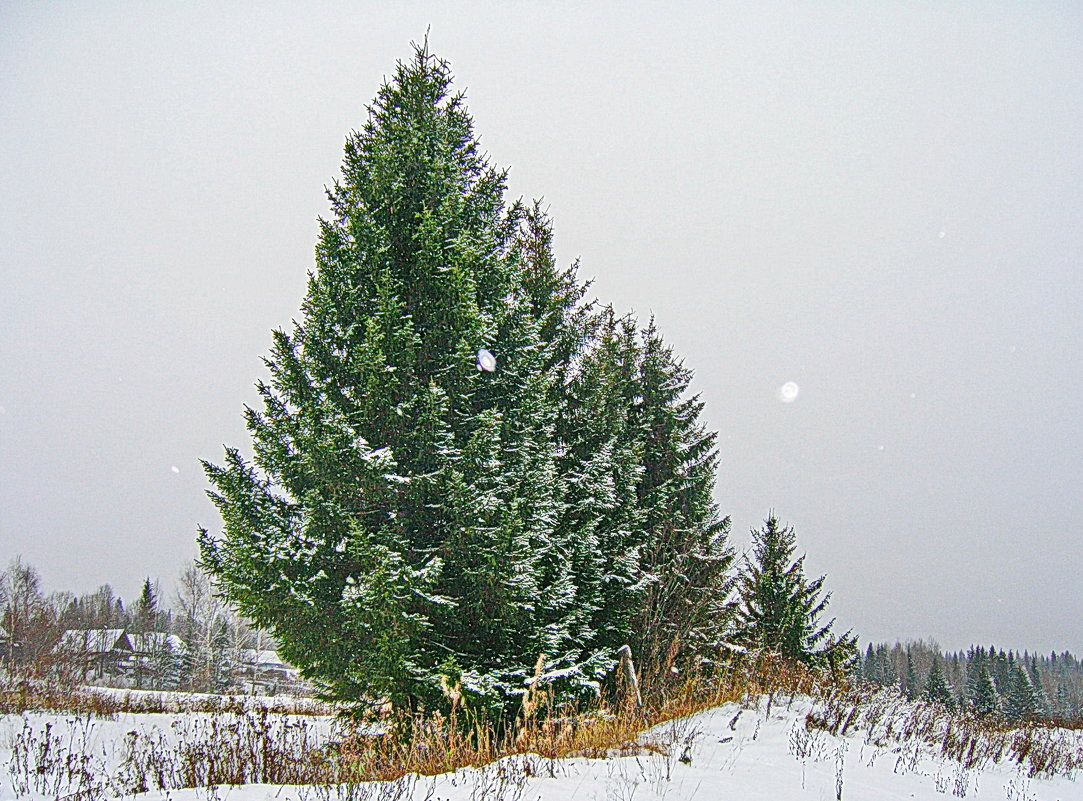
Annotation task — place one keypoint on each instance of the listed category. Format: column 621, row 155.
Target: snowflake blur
column 486, row 361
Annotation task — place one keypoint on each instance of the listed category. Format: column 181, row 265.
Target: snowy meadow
column 772, row 732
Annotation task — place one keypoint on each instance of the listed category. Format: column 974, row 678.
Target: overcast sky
column 878, row 202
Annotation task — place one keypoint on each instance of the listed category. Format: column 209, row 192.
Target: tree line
column 985, row 680
column 197, row 642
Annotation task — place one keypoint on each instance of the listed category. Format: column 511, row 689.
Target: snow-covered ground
column 723, row 753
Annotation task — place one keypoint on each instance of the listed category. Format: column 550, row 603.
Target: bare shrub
column 55, row 763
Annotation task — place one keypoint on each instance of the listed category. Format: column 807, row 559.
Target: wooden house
column 99, row 651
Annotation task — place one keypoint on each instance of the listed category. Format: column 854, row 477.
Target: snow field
column 729, row 752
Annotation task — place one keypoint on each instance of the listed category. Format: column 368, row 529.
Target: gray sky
column 880, row 202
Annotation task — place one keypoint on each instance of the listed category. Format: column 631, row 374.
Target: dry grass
column 888, row 721
column 434, row 745
column 23, row 694
column 200, row 751
column 241, row 743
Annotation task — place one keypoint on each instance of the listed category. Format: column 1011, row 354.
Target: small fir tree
column 975, row 658
column 1022, row 702
column 1001, row 665
column 1034, row 674
column 911, row 688
column 779, row 609
column 686, row 557
column 166, row 664
column 984, row 698
column 870, row 666
column 1064, row 707
column 937, row 688
column 653, row 557
column 145, row 618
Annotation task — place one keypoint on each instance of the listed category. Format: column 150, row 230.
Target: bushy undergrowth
column 23, row 694
column 249, row 744
column 201, row 751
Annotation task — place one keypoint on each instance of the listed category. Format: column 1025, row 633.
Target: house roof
column 263, row 658
column 93, row 641
column 156, row 641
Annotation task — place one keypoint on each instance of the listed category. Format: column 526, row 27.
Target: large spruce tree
column 413, row 527
column 685, row 560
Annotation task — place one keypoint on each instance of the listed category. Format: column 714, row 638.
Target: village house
column 97, row 651
column 263, row 671
column 151, row 643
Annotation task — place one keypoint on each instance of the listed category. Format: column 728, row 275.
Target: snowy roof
column 93, row 641
column 263, row 658
column 153, row 641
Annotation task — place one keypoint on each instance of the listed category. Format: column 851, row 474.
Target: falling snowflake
column 788, row 392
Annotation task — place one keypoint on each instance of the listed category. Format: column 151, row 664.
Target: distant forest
column 987, row 680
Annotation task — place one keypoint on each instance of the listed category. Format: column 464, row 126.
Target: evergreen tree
column 975, row 658
column 413, row 527
column 652, row 556
column 1001, row 665
column 1036, row 682
column 887, row 670
column 1064, row 707
column 911, row 689
column 779, row 609
column 404, row 521
column 685, row 557
column 936, row 686
column 870, row 668
column 984, row 698
column 1022, row 701
column 166, row 665
column 145, row 618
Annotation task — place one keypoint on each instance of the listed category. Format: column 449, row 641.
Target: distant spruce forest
column 987, row 679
